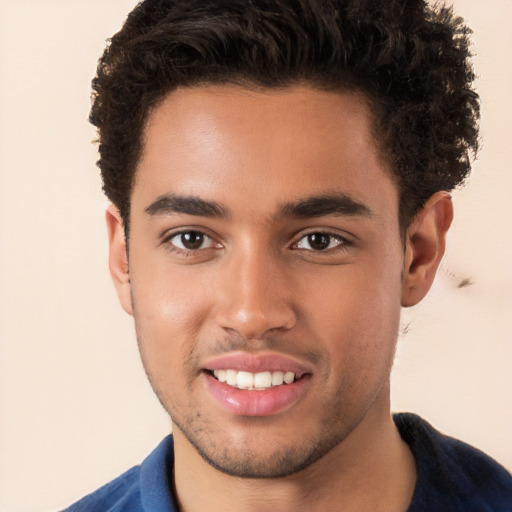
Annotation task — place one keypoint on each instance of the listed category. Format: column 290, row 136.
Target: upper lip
column 258, row 362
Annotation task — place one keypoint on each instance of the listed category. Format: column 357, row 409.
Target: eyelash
column 184, row 251
column 343, row 243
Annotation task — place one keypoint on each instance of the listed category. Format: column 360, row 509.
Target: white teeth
column 247, row 380
column 289, row 377
column 231, row 377
column 277, row 378
column 263, row 380
column 221, row 375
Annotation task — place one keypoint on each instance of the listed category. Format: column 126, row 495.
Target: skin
column 256, row 283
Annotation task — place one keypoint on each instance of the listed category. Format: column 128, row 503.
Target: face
column 265, row 266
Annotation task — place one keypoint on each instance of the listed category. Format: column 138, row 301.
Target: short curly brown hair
column 411, row 60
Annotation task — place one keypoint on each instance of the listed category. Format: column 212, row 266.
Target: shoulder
column 453, row 475
column 142, row 488
column 122, row 494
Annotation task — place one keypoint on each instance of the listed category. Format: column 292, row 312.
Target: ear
column 424, row 247
column 118, row 258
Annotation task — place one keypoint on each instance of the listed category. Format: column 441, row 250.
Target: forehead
column 233, row 145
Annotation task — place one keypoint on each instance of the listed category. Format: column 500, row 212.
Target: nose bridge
column 255, row 293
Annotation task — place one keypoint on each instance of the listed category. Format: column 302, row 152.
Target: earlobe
column 118, row 257
column 424, row 247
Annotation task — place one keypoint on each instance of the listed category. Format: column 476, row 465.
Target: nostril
column 255, row 324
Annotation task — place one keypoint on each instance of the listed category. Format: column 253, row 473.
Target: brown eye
column 319, row 242
column 190, row 240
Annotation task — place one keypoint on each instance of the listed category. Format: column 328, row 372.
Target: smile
column 260, row 384
column 254, row 381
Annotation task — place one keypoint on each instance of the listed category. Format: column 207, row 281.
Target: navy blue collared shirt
column 452, row 477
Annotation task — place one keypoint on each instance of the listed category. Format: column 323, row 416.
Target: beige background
column 75, row 406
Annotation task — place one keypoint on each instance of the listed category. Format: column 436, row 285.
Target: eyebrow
column 188, row 205
column 310, row 207
column 319, row 206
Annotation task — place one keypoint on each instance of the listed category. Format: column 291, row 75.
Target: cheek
column 167, row 297
column 169, row 310
column 359, row 312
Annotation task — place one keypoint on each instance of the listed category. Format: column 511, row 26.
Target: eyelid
column 173, row 240
column 324, row 231
column 337, row 241
column 345, row 240
column 169, row 234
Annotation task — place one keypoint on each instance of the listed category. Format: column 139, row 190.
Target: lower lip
column 265, row 402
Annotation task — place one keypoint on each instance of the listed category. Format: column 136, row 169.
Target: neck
column 372, row 469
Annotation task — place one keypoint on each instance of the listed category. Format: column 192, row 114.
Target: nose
column 255, row 296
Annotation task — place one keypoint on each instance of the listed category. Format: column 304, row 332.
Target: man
column 279, row 173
